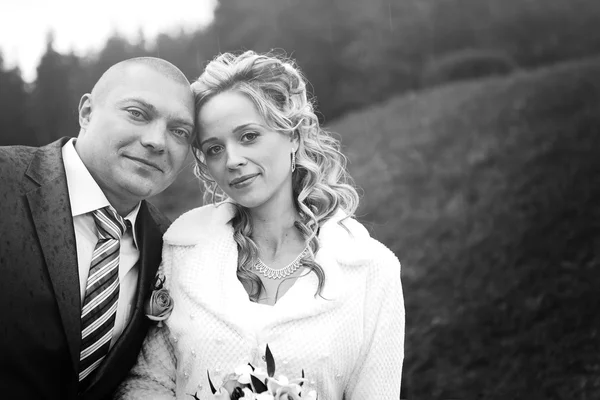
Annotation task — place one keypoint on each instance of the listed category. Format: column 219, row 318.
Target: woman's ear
column 295, row 139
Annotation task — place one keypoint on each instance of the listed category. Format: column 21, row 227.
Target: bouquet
column 250, row 383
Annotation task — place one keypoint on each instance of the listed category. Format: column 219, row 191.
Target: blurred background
column 470, row 125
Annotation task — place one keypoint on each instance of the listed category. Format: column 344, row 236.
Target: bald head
column 122, row 70
column 136, row 129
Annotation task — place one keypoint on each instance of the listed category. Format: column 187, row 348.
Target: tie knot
column 109, row 223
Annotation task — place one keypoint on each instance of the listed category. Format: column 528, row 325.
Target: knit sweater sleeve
column 378, row 372
column 154, row 374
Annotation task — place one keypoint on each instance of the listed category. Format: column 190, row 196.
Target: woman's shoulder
column 354, row 247
column 199, row 224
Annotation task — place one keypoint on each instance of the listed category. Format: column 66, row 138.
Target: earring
column 293, row 160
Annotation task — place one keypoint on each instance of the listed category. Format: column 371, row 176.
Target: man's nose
column 155, row 137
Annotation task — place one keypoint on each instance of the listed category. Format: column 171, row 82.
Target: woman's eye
column 214, row 150
column 249, row 136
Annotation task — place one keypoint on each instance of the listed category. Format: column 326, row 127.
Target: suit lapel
column 51, row 213
column 150, row 253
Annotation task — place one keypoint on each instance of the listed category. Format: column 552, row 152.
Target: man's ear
column 85, row 110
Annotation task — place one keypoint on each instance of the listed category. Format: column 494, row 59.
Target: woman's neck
column 274, row 228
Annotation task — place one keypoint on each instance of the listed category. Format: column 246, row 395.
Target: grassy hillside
column 489, row 193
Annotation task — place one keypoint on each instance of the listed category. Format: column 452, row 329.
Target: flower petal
column 312, row 395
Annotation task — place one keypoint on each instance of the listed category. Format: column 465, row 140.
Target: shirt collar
column 85, row 195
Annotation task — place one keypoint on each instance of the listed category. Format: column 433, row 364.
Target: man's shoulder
column 159, row 218
column 17, row 150
column 16, row 157
column 14, row 162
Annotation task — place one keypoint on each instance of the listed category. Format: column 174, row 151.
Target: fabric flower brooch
column 160, row 304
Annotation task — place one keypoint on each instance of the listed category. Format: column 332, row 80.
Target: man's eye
column 182, row 133
column 135, row 113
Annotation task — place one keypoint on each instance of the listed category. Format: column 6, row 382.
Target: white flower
column 243, row 374
column 312, row 395
column 282, row 382
column 261, row 374
column 249, row 395
column 221, row 394
column 264, row 396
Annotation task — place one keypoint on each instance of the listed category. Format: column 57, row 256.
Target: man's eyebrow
column 182, row 121
column 152, row 109
column 141, row 102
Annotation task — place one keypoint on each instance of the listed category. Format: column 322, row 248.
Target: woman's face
column 249, row 161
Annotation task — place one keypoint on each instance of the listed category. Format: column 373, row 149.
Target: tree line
column 354, row 53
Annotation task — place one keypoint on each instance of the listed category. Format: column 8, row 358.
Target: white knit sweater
column 350, row 341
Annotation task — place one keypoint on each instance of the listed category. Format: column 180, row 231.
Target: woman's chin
column 249, row 202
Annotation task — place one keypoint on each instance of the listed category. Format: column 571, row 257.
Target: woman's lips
column 243, row 181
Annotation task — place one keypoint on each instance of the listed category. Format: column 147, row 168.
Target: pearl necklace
column 271, row 273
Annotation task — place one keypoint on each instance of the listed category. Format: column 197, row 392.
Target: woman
column 278, row 261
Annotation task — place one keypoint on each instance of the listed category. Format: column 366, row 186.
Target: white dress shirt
column 86, row 196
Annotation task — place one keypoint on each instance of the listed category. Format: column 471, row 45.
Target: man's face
column 136, row 134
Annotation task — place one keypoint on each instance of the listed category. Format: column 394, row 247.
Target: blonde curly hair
column 320, row 182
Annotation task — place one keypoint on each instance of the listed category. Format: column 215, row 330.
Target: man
column 79, row 245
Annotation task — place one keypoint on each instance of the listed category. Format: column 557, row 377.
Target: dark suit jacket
column 40, row 334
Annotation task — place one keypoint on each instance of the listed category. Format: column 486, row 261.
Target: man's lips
column 146, row 162
column 241, row 179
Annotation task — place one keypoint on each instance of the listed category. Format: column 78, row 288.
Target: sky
column 83, row 26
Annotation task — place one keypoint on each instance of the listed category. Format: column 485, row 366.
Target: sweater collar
column 209, row 223
column 207, row 228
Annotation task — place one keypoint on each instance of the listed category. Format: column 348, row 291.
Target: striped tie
column 101, row 293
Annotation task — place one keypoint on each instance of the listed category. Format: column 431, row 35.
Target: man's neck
column 123, row 208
